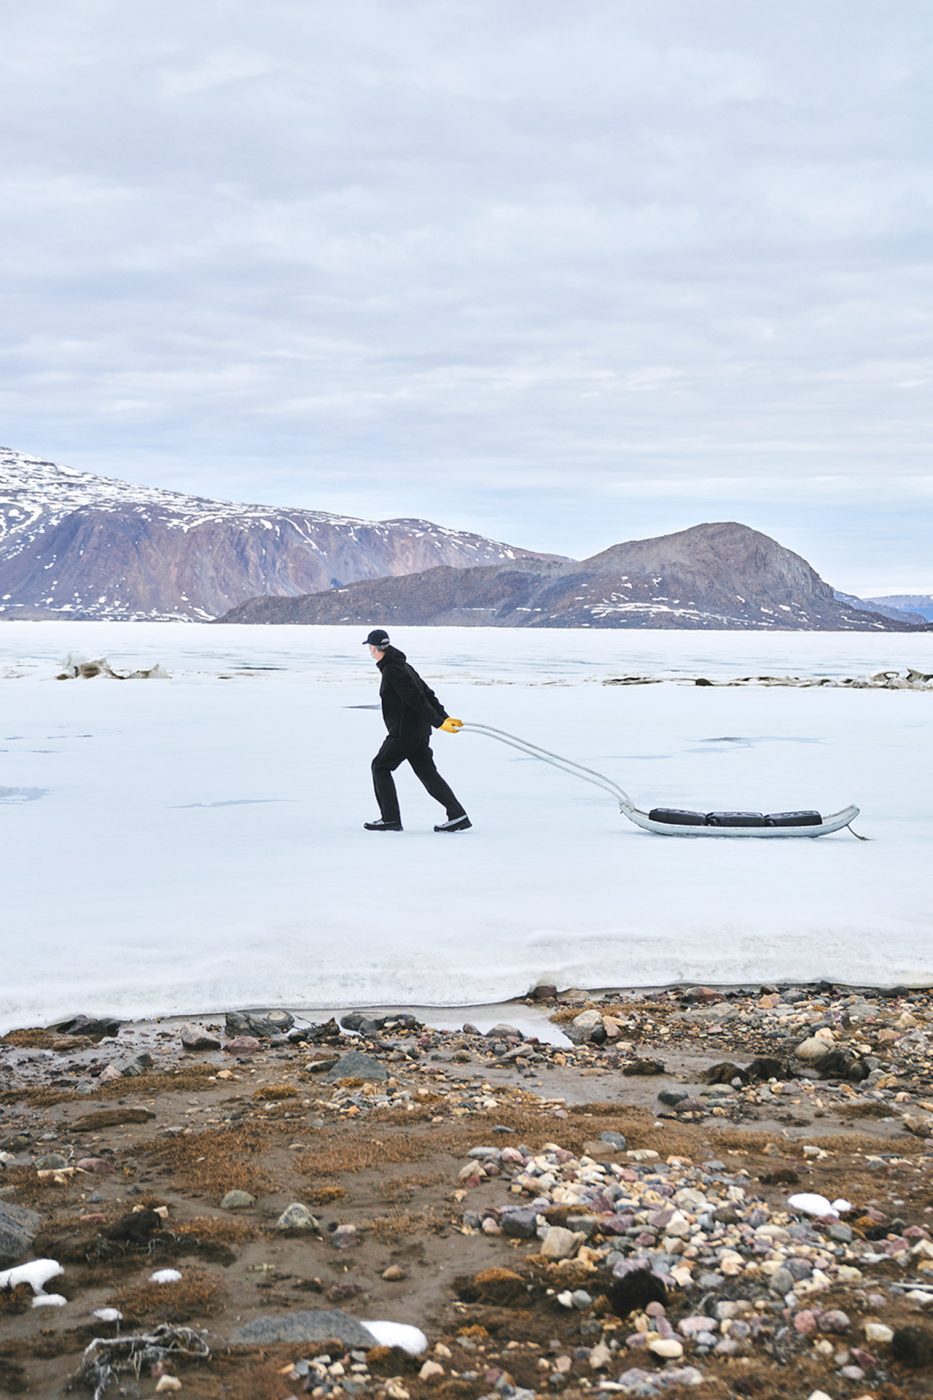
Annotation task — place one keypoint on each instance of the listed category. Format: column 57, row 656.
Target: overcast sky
column 563, row 273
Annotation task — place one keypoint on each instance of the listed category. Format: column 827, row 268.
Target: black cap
column 377, row 638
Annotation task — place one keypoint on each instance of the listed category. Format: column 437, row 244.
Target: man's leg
column 392, row 753
column 422, row 761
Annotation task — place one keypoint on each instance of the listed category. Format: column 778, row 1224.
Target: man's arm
column 413, row 696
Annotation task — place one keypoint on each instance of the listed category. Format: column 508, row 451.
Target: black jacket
column 409, row 706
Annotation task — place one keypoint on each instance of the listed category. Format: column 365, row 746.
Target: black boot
column 455, row 824
column 381, row 825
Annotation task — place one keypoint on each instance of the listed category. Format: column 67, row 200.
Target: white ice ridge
column 398, row 1334
column 37, row 1274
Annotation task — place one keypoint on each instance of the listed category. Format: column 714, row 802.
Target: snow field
column 197, row 842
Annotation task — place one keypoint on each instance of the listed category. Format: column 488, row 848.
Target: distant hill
column 83, row 546
column 882, row 606
column 919, row 604
column 722, row 575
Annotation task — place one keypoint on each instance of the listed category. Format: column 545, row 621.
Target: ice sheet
column 198, row 841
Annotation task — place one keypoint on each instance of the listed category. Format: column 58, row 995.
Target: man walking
column 410, row 710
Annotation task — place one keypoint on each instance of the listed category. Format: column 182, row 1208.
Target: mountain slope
column 918, row 604
column 86, row 546
column 722, row 575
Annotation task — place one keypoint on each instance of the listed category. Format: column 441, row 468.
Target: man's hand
column 451, row 725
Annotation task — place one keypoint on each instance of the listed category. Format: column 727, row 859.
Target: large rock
column 18, row 1229
column 356, row 1065
column 263, row 1024
column 196, row 1038
column 91, row 1027
column 314, row 1325
column 816, row 1046
column 297, row 1217
column 521, row 1224
column 584, row 1026
column 559, row 1243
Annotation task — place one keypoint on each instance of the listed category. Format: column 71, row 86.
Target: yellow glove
column 451, row 725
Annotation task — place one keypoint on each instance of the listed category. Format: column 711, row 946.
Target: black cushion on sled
column 735, row 819
column 673, row 817
column 793, row 819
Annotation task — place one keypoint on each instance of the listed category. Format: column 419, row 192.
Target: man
column 410, row 710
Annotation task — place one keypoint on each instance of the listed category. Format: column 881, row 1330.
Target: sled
column 667, row 821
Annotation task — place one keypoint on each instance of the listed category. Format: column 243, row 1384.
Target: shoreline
column 493, row 1190
column 446, row 1014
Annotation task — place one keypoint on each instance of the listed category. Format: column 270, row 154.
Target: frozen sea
column 195, row 843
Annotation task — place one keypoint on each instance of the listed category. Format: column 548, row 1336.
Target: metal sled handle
column 566, row 765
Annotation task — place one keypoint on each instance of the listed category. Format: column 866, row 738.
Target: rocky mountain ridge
column 719, row 575
column 83, row 546
column 73, row 544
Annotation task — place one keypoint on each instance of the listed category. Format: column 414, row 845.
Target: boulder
column 263, row 1024
column 91, row 1027
column 559, row 1243
column 816, row 1046
column 521, row 1224
column 297, row 1217
column 583, row 1027
column 194, row 1038
column 18, row 1229
column 304, row 1327
column 357, row 1065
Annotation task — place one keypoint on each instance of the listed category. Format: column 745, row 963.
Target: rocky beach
column 720, row 1192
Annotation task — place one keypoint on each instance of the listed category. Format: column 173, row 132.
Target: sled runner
column 671, row 821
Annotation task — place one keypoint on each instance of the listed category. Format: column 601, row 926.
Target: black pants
column 417, row 752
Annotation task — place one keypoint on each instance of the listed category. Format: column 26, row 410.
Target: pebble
column 667, row 1347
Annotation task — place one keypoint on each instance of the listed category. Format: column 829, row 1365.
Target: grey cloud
column 522, row 267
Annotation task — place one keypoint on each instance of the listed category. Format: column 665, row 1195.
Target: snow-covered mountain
column 719, row 575
column 86, row 546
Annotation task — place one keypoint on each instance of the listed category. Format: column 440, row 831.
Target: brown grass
column 220, row 1229
column 187, row 1079
column 398, row 1224
column 15, row 1300
column 33, row 1038
column 324, row 1193
column 196, row 1295
column 275, row 1092
column 217, row 1161
column 869, row 1108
